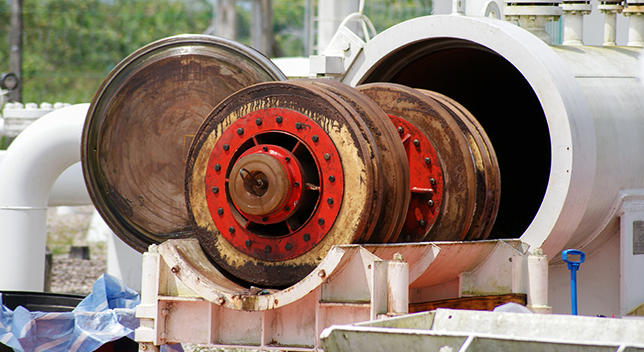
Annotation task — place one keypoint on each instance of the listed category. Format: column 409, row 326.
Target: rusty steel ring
column 458, row 198
column 389, row 158
column 335, row 161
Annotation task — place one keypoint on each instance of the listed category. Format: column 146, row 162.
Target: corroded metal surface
column 303, row 106
column 436, row 122
column 142, row 121
column 389, row 158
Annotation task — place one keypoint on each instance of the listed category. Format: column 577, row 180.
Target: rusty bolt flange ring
column 348, row 172
column 250, row 210
column 426, row 181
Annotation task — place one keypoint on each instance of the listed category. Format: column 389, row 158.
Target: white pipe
column 28, row 172
column 573, row 28
column 636, row 30
column 70, row 188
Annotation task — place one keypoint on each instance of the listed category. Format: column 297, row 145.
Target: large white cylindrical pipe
column 28, row 171
column 566, row 124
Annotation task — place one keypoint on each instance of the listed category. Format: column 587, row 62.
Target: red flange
column 426, row 181
column 274, row 184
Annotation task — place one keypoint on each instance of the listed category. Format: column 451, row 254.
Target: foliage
column 69, row 46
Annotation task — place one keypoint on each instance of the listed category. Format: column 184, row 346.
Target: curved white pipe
column 28, row 172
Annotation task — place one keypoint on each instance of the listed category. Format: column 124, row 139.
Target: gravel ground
column 67, row 227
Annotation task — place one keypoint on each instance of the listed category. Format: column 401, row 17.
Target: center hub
column 264, row 184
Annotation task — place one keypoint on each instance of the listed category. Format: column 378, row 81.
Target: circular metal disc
column 348, row 146
column 459, row 177
column 389, row 158
column 141, row 124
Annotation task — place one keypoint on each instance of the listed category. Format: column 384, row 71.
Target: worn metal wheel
column 278, row 173
column 142, row 121
column 389, row 157
column 451, row 198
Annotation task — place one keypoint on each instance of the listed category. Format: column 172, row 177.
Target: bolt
column 287, row 159
column 248, row 243
column 278, row 119
column 264, row 219
column 215, row 190
column 298, row 125
column 175, row 269
column 332, row 178
column 401, row 130
column 240, row 131
column 296, row 184
column 315, row 138
column 346, row 46
column 276, row 302
column 286, row 208
column 226, row 146
column 220, row 211
column 265, row 149
column 144, row 347
column 288, row 247
column 221, row 301
column 416, row 142
column 231, row 230
column 267, row 249
column 428, row 160
column 327, row 156
column 258, row 121
column 329, row 200
column 321, row 273
column 421, row 222
column 430, row 203
column 217, row 167
column 432, row 181
column 321, row 221
column 306, row 237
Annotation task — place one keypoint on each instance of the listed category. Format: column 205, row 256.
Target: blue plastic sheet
column 105, row 315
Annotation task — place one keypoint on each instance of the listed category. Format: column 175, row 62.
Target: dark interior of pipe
column 501, row 99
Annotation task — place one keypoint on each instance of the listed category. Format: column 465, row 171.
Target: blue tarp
column 105, row 315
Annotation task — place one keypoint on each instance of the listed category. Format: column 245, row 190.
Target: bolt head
column 215, row 190
column 421, row 222
column 321, row 221
column 240, row 131
column 279, row 119
column 288, row 247
column 329, row 200
column 267, row 249
column 258, row 121
column 226, row 147
column 416, row 142
column 287, row 159
column 332, row 178
column 287, row 208
column 306, row 237
column 432, row 181
column 315, row 138
column 296, row 184
column 264, row 219
column 428, row 160
column 430, row 203
column 265, row 149
column 298, row 125
column 220, row 211
column 327, row 156
column 401, row 130
column 217, row 167
column 231, row 229
column 248, row 243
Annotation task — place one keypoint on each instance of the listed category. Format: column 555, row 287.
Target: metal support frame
column 185, row 299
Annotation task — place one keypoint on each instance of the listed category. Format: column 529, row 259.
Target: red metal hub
column 274, row 184
column 426, row 181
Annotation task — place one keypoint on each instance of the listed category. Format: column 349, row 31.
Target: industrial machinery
column 271, row 209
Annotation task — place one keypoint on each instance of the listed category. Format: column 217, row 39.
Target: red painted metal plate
column 237, row 229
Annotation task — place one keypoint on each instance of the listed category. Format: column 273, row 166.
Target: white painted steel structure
column 28, row 172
